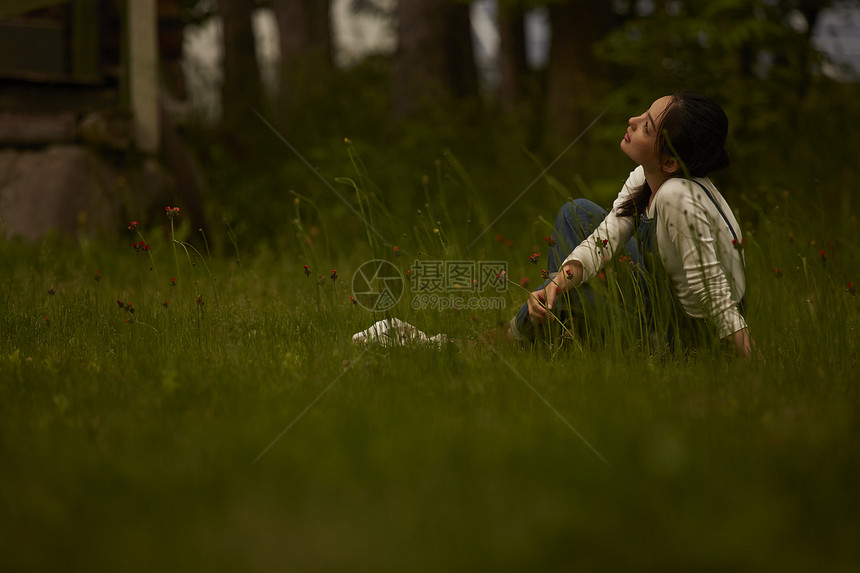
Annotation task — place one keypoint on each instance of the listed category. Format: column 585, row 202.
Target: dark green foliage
column 788, row 130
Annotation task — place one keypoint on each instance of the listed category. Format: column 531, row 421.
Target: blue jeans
column 574, row 223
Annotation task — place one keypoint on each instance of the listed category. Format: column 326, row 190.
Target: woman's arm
column 590, row 255
column 610, row 235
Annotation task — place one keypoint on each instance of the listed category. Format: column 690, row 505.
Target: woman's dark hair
column 693, row 129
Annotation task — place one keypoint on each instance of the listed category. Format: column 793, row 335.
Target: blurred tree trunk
column 304, row 29
column 241, row 87
column 459, row 52
column 434, row 59
column 419, row 65
column 810, row 10
column 575, row 77
column 513, row 67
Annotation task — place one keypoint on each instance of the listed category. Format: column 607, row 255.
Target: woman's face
column 640, row 140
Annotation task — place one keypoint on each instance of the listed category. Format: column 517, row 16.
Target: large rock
column 70, row 189
column 63, row 188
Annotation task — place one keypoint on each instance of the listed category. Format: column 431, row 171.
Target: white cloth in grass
column 395, row 332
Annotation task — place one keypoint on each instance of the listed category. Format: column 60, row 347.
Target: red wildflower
column 333, row 275
column 396, row 251
column 133, row 225
column 352, row 300
column 200, row 301
column 164, row 304
column 119, row 303
column 171, row 212
column 777, row 272
column 550, row 241
column 509, row 243
column 823, row 256
column 47, row 320
column 499, row 238
column 601, row 276
column 97, row 276
column 307, row 271
column 524, row 282
column 409, row 274
column 544, row 273
column 850, row 289
column 502, row 277
column 739, row 245
column 534, row 257
column 172, row 281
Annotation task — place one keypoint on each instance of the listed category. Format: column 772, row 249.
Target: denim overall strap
column 646, row 241
column 646, row 236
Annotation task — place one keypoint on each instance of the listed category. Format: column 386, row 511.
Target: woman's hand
column 541, row 301
column 742, row 343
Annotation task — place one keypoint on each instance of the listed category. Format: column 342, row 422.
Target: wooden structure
column 85, row 137
column 61, row 59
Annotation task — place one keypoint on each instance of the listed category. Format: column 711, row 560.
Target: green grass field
column 229, row 423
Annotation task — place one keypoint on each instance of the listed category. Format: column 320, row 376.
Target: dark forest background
column 423, row 124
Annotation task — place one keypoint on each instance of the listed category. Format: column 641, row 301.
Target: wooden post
column 141, row 22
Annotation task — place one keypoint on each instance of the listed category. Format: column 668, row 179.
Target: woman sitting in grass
column 670, row 225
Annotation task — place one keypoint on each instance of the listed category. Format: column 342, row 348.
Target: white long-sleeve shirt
column 705, row 268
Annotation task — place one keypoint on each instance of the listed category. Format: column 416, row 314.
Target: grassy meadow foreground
column 163, row 409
